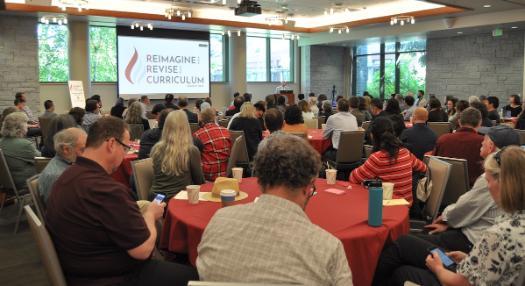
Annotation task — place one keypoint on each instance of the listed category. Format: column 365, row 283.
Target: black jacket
column 252, row 131
column 419, row 139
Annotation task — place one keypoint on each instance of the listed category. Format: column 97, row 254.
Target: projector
column 248, row 8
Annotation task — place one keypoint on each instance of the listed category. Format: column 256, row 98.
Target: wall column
column 79, row 54
column 237, row 70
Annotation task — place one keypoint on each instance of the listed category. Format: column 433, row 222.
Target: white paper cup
column 323, row 126
column 193, row 194
column 237, row 173
column 331, row 175
column 388, row 190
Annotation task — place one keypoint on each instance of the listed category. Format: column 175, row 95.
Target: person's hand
column 436, row 228
column 439, row 219
column 156, row 210
column 457, row 256
column 434, row 263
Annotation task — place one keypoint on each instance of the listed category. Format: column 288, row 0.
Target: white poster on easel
column 76, row 93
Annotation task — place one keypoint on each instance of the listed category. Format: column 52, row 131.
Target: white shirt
column 271, row 241
column 308, row 115
column 341, row 121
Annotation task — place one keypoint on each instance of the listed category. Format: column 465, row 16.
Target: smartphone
column 447, row 262
column 159, row 198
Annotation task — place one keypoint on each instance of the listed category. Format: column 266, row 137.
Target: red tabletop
column 316, row 139
column 344, row 216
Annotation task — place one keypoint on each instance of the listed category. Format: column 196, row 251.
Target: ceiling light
column 340, row 29
column 402, row 20
column 487, row 6
column 78, row 4
column 54, row 19
column 460, row 33
column 141, row 26
column 229, row 33
column 514, row 27
column 174, row 11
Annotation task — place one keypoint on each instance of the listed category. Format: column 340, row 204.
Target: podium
column 290, row 96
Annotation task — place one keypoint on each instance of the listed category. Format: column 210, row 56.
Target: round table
column 316, row 139
column 344, row 216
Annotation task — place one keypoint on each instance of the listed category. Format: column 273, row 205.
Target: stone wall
column 19, row 60
column 326, row 68
column 475, row 65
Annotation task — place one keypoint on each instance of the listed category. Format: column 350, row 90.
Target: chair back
column 46, row 248
column 194, row 127
column 440, row 128
column 224, row 122
column 320, row 121
column 440, row 172
column 365, row 125
column 143, row 176
column 234, row 134
column 522, row 136
column 311, row 123
column 239, row 154
column 153, row 123
column 41, row 163
column 299, row 134
column 350, row 147
column 6, row 180
column 38, row 202
column 458, row 183
column 368, row 150
column 45, row 122
column 135, row 131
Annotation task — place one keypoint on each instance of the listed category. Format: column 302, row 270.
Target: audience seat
column 350, row 152
column 38, row 202
column 135, row 131
column 522, row 136
column 440, row 128
column 41, row 163
column 458, row 183
column 238, row 156
column 143, row 177
column 46, row 248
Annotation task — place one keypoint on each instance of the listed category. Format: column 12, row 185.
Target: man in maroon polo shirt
column 99, row 233
column 465, row 143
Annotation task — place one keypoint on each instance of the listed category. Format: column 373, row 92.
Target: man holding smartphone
column 100, row 235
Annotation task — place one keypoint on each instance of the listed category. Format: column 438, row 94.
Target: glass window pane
column 256, row 66
column 390, row 75
column 53, row 59
column 103, row 54
column 413, row 45
column 280, row 58
column 390, row 47
column 368, row 71
column 217, row 51
column 412, row 72
column 370, row 48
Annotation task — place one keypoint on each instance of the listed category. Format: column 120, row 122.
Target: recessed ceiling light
column 459, row 33
column 487, row 6
column 514, row 27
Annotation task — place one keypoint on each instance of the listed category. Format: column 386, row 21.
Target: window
column 217, row 58
column 391, row 67
column 280, row 60
column 256, row 59
column 53, row 59
column 269, row 60
column 103, row 54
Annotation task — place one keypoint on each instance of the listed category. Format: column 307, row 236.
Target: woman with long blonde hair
column 176, row 160
column 134, row 115
column 247, row 121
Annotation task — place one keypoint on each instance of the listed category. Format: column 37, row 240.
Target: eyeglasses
column 497, row 156
column 126, row 146
column 313, row 191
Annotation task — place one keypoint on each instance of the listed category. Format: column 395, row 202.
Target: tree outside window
column 53, row 59
column 103, row 54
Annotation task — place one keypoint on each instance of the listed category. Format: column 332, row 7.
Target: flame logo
column 131, row 65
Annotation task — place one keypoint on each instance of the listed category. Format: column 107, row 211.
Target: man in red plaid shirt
column 217, row 146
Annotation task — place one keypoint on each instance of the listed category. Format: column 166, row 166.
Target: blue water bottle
column 375, row 203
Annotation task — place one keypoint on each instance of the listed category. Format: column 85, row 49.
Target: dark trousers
column 33, row 132
column 162, row 273
column 404, row 260
column 450, row 240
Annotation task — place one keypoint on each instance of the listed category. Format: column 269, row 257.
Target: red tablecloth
column 345, row 216
column 316, row 139
column 124, row 171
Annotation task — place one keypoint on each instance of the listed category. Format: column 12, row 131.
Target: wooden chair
column 440, row 172
column 440, row 128
column 38, row 202
column 234, row 134
column 46, row 248
column 143, row 176
column 135, row 131
column 22, row 197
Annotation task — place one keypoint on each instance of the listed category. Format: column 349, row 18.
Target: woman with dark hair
column 118, row 108
column 92, row 114
column 57, row 124
column 390, row 161
column 485, row 121
column 460, row 106
column 435, row 112
column 451, row 106
column 364, row 107
column 393, row 112
column 513, row 109
column 320, row 99
column 326, row 109
column 78, row 115
column 293, row 120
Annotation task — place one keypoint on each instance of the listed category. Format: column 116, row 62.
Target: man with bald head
column 419, row 139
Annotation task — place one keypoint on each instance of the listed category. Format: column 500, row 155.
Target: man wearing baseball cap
column 462, row 223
